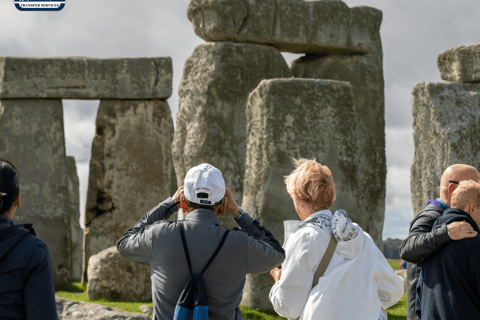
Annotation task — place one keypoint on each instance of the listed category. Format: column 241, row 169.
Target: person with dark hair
column 27, row 290
column 157, row 242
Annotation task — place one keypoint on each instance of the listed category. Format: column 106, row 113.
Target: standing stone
column 85, row 78
column 131, row 169
column 111, row 276
column 365, row 73
column 460, row 64
column 32, row 138
column 289, row 25
column 446, row 130
column 74, row 212
column 211, row 120
column 295, row 118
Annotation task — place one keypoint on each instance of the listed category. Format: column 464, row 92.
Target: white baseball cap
column 204, row 178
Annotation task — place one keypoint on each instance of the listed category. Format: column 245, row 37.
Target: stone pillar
column 445, row 122
column 32, row 138
column 295, row 118
column 211, row 120
column 365, row 73
column 74, row 212
column 131, row 169
column 446, row 126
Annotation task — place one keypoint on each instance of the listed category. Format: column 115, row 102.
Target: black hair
column 8, row 186
column 194, row 206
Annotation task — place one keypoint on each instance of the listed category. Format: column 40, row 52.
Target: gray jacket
column 420, row 243
column 156, row 242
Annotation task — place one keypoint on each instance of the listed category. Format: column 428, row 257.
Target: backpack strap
column 216, row 251
column 185, row 248
column 325, row 260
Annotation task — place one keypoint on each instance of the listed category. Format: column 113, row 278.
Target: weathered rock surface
column 460, row 64
column 446, row 126
column 211, row 120
column 290, row 25
column 86, row 78
column 129, row 173
column 365, row 73
column 146, row 309
column 74, row 310
column 76, row 230
column 113, row 277
column 32, row 138
column 295, row 118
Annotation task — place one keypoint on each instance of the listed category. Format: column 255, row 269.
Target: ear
column 451, row 187
column 18, row 201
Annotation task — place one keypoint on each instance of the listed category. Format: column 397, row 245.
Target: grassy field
column 394, row 263
column 78, row 291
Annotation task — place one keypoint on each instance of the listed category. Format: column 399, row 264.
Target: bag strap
column 185, row 248
column 325, row 260
column 220, row 245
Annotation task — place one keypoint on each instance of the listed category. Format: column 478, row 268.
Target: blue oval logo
column 39, row 5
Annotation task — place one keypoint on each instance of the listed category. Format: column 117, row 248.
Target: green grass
column 394, row 263
column 78, row 291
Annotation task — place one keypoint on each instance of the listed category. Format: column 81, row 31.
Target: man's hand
column 230, row 205
column 276, row 273
column 177, row 196
column 460, row 230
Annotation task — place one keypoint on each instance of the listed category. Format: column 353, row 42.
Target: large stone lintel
column 446, row 126
column 290, row 25
column 460, row 64
column 85, row 78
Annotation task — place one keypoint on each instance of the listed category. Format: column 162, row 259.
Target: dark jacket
column 156, row 242
column 449, row 284
column 421, row 242
column 27, row 290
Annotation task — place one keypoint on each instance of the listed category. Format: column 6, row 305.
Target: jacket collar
column 318, row 214
column 5, row 222
column 203, row 215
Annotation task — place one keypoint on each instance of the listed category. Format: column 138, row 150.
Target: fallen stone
column 129, row 173
column 32, row 138
column 105, row 269
column 146, row 309
column 290, row 25
column 86, row 78
column 460, row 64
column 74, row 310
column 293, row 118
column 446, row 126
column 74, row 212
column 211, row 120
column 365, row 73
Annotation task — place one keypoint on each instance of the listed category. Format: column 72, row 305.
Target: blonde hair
column 467, row 191
column 312, row 184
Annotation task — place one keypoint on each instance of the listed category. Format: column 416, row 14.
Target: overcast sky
column 413, row 33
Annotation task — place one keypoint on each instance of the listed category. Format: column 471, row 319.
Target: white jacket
column 357, row 283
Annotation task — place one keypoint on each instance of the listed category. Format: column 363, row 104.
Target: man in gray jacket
column 157, row 242
column 422, row 241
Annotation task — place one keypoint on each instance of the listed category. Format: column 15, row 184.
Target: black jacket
column 449, row 284
column 27, row 290
column 420, row 243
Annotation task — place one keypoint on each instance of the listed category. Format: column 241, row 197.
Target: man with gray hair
column 157, row 242
column 449, row 283
column 422, row 241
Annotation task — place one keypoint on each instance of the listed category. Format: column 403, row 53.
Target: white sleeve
column 390, row 286
column 303, row 250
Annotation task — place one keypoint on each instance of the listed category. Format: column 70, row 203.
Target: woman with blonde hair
column 357, row 281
